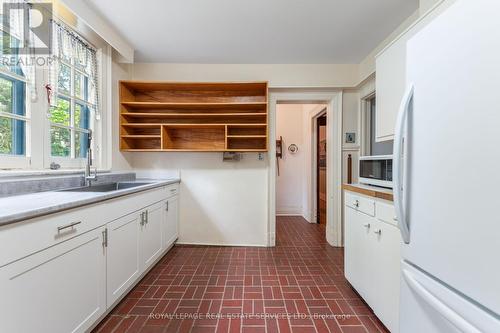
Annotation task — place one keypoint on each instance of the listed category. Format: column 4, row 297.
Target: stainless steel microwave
column 376, row 170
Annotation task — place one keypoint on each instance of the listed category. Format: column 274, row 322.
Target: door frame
column 333, row 100
column 314, row 154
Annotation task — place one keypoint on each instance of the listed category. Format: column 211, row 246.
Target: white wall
column 350, row 124
column 119, row 160
column 290, row 183
column 278, row 75
column 222, row 203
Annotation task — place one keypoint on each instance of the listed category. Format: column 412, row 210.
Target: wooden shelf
column 188, row 115
column 245, row 136
column 140, row 136
column 179, row 116
column 193, row 106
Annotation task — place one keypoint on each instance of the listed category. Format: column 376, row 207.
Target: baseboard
column 220, row 244
column 289, row 214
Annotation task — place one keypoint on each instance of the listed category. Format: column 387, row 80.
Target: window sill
column 45, row 172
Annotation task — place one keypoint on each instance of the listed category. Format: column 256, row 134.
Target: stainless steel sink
column 105, row 187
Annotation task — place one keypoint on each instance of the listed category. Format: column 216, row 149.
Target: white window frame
column 37, row 156
column 19, row 161
column 70, row 161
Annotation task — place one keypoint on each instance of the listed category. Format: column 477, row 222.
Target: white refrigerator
column 447, row 173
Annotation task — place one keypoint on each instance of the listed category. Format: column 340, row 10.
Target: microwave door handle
column 399, row 159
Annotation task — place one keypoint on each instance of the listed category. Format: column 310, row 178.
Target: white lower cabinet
column 59, row 289
column 87, row 265
column 372, row 258
column 123, row 262
column 387, row 271
column 151, row 234
column 171, row 221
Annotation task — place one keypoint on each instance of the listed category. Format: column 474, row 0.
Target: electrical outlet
column 260, row 156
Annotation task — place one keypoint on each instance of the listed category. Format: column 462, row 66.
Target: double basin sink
column 109, row 187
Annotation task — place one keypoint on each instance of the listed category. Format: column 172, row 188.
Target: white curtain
column 68, row 45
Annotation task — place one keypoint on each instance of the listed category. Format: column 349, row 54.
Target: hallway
column 298, row 286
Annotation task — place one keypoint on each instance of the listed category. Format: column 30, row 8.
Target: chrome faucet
column 88, row 178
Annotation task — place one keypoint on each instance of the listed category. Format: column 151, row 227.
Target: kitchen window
column 370, row 145
column 13, row 116
column 74, row 97
column 47, row 111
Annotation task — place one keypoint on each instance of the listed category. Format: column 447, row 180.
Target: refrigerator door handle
column 448, row 313
column 398, row 164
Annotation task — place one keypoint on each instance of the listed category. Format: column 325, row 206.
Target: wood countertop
column 380, row 193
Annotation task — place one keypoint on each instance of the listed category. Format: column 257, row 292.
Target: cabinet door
column 123, row 266
column 386, row 271
column 59, row 290
column 358, row 254
column 171, row 222
column 391, row 85
column 151, row 234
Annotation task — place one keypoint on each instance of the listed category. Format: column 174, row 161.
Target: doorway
column 333, row 101
column 321, row 170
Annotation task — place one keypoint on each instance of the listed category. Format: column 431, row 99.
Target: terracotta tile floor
column 298, row 287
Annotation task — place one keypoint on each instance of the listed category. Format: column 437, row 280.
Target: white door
column 171, row 223
column 151, row 234
column 123, row 266
column 429, row 306
column 58, row 290
column 453, row 137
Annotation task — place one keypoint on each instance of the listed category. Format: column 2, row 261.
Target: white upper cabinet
column 391, row 76
column 390, row 85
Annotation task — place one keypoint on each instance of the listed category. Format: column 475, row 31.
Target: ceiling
column 254, row 31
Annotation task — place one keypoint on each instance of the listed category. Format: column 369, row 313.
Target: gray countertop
column 22, row 207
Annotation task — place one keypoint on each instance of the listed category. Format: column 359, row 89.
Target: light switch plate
column 350, row 138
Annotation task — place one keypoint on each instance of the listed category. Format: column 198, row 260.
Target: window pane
column 64, row 79
column 12, row 137
column 61, row 114
column 81, row 116
column 81, row 89
column 60, row 141
column 10, row 53
column 6, row 93
column 81, row 144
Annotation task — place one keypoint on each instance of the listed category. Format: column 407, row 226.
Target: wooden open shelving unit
column 182, row 116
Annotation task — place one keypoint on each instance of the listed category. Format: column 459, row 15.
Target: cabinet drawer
column 386, row 212
column 24, row 238
column 360, row 203
column 172, row 190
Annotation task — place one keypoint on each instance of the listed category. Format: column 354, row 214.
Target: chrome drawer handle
column 173, row 190
column 367, row 225
column 356, row 204
column 378, row 232
column 71, row 225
